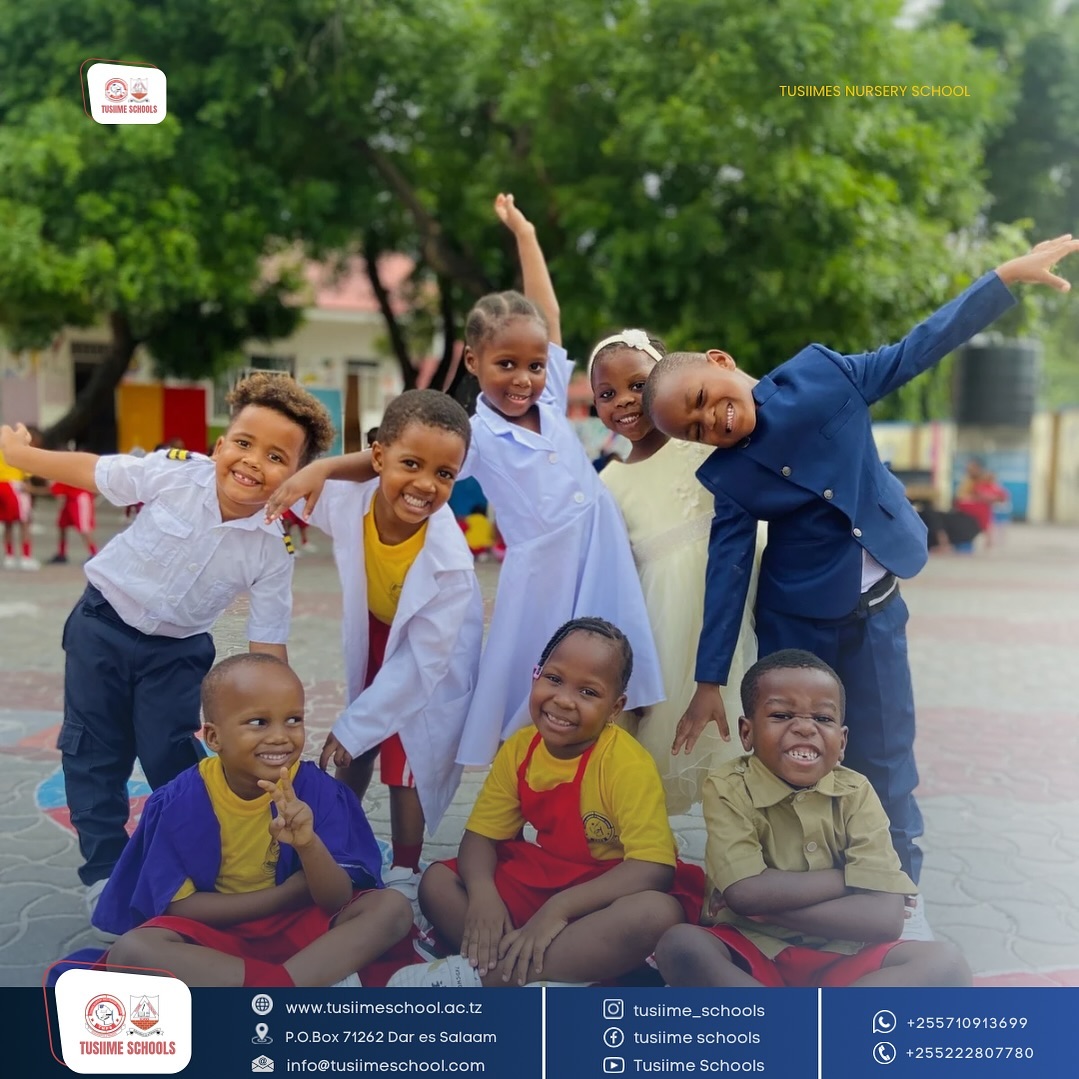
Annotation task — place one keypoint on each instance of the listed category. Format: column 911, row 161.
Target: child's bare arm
column 216, row 909
column 866, row 916
column 329, row 885
column 308, row 482
column 778, row 891
column 537, row 280
column 487, row 920
column 60, row 466
column 1035, row 267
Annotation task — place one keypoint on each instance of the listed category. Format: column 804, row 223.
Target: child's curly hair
column 281, row 392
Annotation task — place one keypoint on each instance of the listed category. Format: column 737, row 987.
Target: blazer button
column 786, row 470
column 829, row 493
column 857, row 533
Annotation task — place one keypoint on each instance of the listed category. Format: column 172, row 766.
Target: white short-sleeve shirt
column 176, row 568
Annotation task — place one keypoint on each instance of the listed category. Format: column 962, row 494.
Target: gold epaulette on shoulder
column 289, row 545
column 178, row 455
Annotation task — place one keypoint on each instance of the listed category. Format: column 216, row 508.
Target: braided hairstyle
column 599, row 628
column 493, row 311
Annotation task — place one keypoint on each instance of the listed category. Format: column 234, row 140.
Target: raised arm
column 60, row 466
column 537, row 280
column 307, row 484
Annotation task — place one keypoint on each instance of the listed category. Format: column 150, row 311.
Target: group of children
column 250, row 867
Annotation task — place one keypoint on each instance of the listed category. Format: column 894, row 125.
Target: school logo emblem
column 146, row 1015
column 597, row 828
column 116, row 90
column 105, row 1015
column 139, row 89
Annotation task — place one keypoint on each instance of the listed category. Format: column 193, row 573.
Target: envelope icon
column 262, row 1064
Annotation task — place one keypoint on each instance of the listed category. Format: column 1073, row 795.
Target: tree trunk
column 442, row 376
column 371, row 250
column 97, row 391
column 439, row 252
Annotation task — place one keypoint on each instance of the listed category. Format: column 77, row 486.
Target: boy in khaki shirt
column 808, row 889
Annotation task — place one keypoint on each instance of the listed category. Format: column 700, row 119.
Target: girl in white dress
column 567, row 553
column 668, row 513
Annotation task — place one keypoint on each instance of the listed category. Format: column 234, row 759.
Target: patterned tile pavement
column 993, row 638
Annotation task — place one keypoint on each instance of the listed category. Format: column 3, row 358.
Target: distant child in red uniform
column 15, row 506
column 590, row 898
column 77, row 512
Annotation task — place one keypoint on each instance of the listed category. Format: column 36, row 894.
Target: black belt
column 879, row 595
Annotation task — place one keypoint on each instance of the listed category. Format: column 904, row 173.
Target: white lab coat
column 423, row 689
column 567, row 556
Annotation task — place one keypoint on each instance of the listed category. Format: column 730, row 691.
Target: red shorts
column 393, row 767
column 289, row 518
column 77, row 512
column 14, row 504
column 798, row 967
column 523, row 900
column 273, row 939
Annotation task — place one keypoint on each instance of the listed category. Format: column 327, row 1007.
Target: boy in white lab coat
column 413, row 620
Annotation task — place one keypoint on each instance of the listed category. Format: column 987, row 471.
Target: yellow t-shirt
column 387, row 566
column 248, row 854
column 622, row 806
column 756, row 821
column 9, row 474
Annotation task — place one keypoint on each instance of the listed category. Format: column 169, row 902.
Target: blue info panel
column 589, row 1033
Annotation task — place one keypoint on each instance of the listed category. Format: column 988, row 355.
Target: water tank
column 996, row 383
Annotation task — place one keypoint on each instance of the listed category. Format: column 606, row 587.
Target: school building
column 338, row 352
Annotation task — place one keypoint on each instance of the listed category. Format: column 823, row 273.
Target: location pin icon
column 262, row 1029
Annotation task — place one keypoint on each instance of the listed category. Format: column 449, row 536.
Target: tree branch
column 444, row 372
column 371, row 251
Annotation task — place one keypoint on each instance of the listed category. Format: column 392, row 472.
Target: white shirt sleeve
column 271, row 604
column 125, row 480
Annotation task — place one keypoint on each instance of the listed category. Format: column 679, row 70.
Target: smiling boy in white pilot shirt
column 137, row 643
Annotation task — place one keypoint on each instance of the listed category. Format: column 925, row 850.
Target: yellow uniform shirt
column 622, row 807
column 756, row 821
column 248, row 854
column 387, row 566
column 9, row 474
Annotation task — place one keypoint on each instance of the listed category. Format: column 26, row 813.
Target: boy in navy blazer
column 796, row 449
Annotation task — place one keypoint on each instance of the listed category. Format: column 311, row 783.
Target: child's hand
column 333, row 749
column 1034, row 268
column 486, row 924
column 294, row 823
column 705, row 707
column 12, row 440
column 306, row 484
column 716, row 903
column 510, row 216
column 524, row 948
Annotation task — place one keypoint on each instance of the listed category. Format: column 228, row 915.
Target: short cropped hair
column 494, row 311
column 673, row 361
column 599, row 628
column 786, row 659
column 431, row 408
column 220, row 673
column 284, row 395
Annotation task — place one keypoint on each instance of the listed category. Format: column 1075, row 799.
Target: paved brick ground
column 993, row 645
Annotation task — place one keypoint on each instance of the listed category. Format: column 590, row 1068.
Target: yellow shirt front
column 387, row 566
column 248, row 854
column 623, row 812
column 756, row 821
column 9, row 474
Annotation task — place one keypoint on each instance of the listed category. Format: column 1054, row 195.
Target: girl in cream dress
column 668, row 514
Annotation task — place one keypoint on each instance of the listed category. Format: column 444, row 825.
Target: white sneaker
column 29, row 563
column 9, row 561
column 454, row 972
column 915, row 927
column 93, row 894
column 404, row 880
column 351, row 981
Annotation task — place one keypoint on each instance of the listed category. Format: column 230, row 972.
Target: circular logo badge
column 116, row 89
column 105, row 1015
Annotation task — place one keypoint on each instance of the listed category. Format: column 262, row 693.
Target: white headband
column 637, row 339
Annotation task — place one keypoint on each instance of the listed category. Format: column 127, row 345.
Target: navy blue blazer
column 811, row 470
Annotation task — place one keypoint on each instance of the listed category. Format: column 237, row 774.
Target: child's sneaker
column 454, row 972
column 915, row 927
column 406, row 881
column 351, row 981
column 93, row 894
column 29, row 563
column 10, row 562
column 58, row 560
